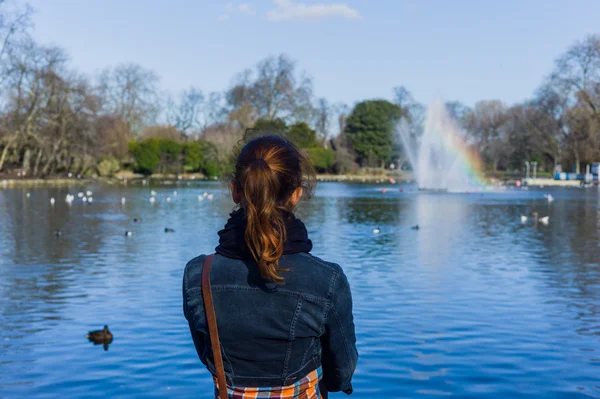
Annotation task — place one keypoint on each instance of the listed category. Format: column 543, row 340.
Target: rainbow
column 444, row 160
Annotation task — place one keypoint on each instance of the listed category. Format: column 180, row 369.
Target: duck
column 545, row 220
column 523, row 219
column 415, row 227
column 169, row 230
column 128, row 234
column 103, row 335
column 376, row 230
column 137, row 220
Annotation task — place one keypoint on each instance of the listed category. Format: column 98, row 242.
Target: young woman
column 284, row 317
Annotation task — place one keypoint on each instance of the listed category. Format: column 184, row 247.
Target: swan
column 84, row 198
column 523, row 219
column 152, row 200
column 200, row 198
column 52, row 201
column 174, row 193
column 545, row 220
column 210, row 197
column 79, row 194
column 550, row 198
column 376, row 230
column 89, row 200
column 153, row 193
column 168, row 199
column 205, row 194
column 88, row 193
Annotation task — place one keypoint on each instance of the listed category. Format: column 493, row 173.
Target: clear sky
column 464, row 50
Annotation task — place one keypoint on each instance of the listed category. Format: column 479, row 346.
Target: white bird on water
column 545, row 220
column 80, row 195
column 84, row 198
column 123, row 200
column 52, row 201
column 90, row 200
column 28, row 195
column 153, row 193
column 88, row 193
column 210, row 197
column 152, row 200
column 549, row 197
column 205, row 194
column 523, row 219
column 168, row 199
column 200, row 198
column 174, row 193
column 376, row 230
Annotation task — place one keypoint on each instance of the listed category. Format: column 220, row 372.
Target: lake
column 474, row 304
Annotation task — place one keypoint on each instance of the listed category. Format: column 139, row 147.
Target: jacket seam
column 234, row 287
column 292, row 335
column 344, row 339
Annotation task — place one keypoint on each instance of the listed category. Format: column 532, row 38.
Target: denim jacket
column 273, row 335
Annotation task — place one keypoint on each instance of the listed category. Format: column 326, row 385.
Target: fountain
column 440, row 157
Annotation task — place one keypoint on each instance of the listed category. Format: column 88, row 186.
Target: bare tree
column 131, row 93
column 273, row 90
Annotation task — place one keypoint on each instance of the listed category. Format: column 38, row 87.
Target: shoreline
column 404, row 178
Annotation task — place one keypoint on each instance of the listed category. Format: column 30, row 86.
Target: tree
column 302, row 135
column 485, row 125
column 273, row 90
column 185, row 115
column 370, row 130
column 273, row 126
column 130, row 92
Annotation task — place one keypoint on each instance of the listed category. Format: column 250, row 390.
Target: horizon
column 482, row 59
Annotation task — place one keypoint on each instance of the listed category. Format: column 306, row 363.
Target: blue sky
column 464, row 50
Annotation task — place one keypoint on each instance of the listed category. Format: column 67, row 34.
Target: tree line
column 55, row 120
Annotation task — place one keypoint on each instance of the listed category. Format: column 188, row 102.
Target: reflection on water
column 473, row 304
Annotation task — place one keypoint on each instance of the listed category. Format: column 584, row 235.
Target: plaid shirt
column 305, row 388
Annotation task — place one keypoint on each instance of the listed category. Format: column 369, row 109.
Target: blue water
column 472, row 305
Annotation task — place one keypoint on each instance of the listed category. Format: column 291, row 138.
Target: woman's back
column 271, row 335
column 284, row 317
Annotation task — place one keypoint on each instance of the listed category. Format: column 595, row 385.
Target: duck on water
column 101, row 337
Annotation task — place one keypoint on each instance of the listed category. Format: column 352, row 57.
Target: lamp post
column 534, row 170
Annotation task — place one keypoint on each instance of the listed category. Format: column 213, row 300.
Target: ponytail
column 265, row 227
column 268, row 171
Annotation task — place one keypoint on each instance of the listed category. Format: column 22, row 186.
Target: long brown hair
column 268, row 170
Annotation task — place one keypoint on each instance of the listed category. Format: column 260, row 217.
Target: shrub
column 107, row 167
column 323, row 159
column 147, row 156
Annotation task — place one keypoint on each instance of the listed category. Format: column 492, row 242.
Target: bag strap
column 213, row 332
